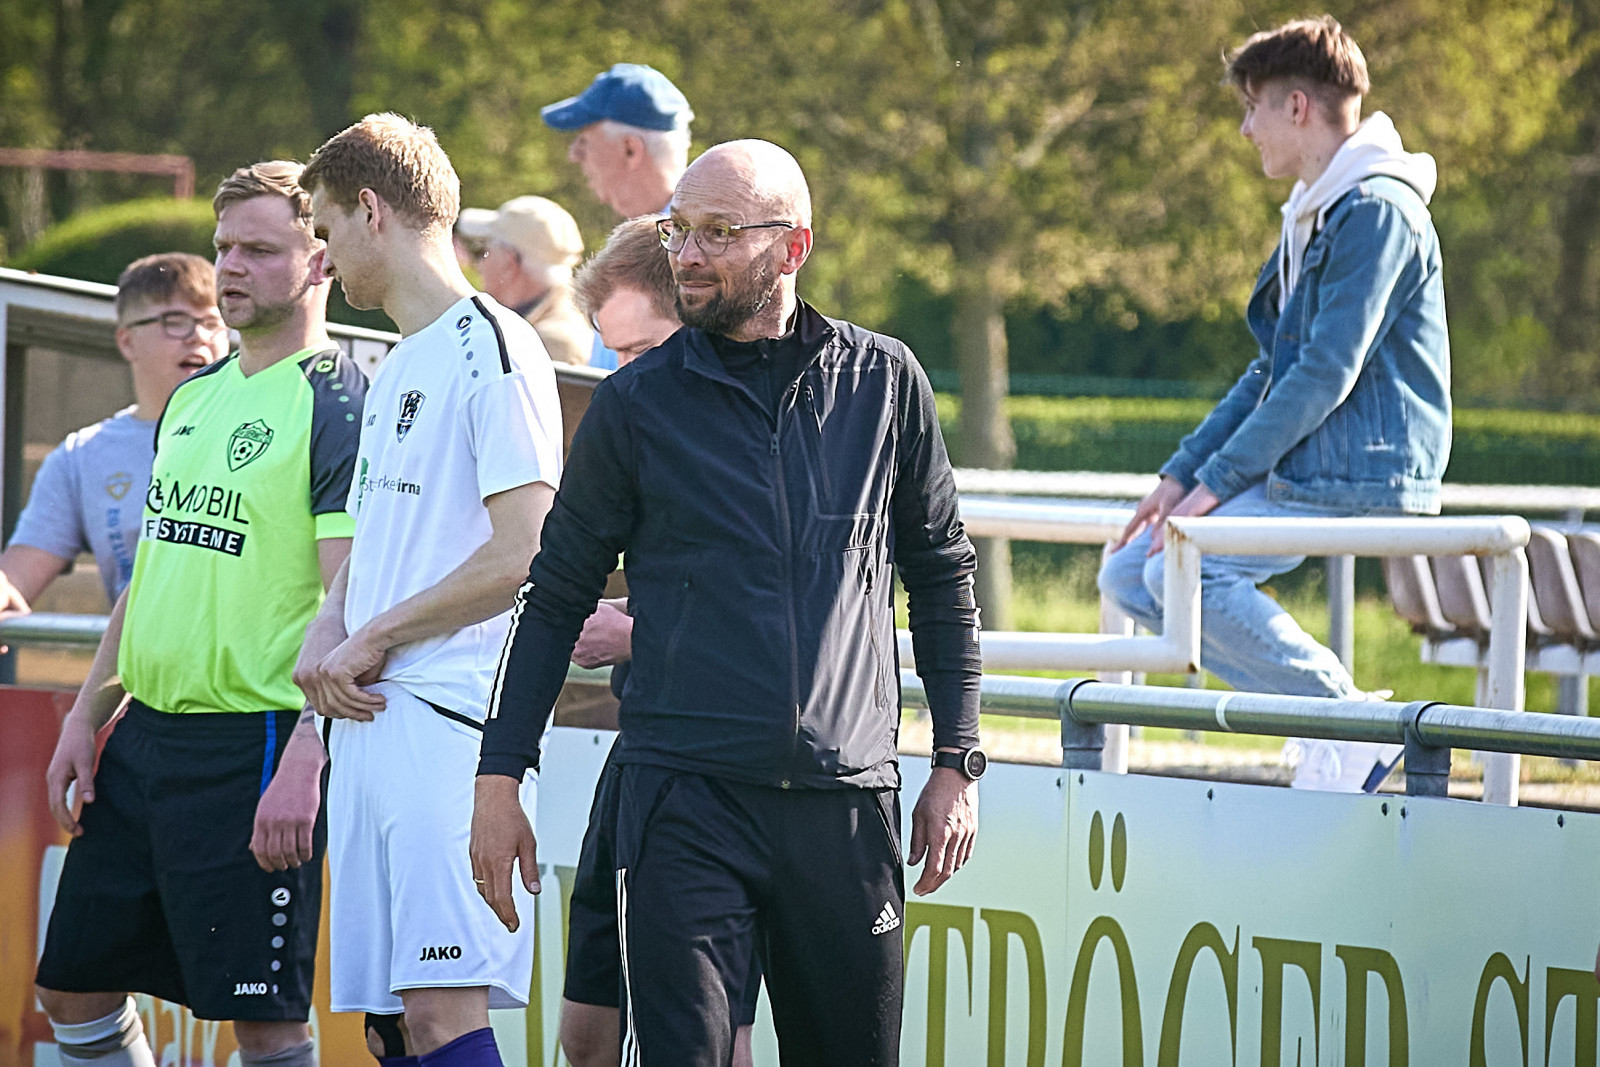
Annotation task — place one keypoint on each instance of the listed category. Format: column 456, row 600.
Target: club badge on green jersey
column 247, row 444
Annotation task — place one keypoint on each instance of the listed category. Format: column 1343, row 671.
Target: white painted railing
column 1570, row 502
column 1101, row 485
column 1177, row 648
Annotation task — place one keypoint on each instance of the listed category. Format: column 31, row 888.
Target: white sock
column 301, row 1055
column 114, row 1041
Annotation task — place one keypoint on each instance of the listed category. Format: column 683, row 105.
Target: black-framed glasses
column 180, row 325
column 714, row 237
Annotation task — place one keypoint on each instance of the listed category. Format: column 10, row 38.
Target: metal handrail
column 1429, row 730
column 1089, row 701
column 48, row 628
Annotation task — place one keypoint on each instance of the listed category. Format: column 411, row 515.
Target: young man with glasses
column 195, row 869
column 89, row 493
column 763, row 470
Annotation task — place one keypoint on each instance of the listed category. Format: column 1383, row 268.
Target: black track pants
column 812, row 878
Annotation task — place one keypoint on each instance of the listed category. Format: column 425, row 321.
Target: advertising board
column 1103, row 920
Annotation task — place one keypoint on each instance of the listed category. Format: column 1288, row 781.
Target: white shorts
column 404, row 912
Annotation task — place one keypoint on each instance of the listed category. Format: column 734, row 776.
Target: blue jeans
column 1247, row 640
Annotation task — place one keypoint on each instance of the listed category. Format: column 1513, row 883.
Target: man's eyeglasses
column 714, row 237
column 180, row 325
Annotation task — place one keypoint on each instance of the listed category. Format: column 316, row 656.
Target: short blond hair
column 631, row 259
column 395, row 158
column 274, row 177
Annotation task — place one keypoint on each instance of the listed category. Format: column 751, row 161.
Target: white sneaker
column 1340, row 766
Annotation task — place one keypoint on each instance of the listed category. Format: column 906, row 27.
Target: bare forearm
column 482, row 587
column 306, row 741
column 30, row 570
column 102, row 690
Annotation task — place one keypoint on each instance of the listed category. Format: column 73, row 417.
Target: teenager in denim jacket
column 1346, row 408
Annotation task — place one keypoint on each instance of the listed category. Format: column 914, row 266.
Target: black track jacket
column 758, row 556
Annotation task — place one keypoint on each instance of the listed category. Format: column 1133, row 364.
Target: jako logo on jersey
column 410, row 404
column 183, row 431
column 463, row 322
column 887, row 920
column 247, row 444
column 440, row 952
column 250, row 989
column 280, row 896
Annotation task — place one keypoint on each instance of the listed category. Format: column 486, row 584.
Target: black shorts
column 594, row 956
column 161, row 894
column 810, row 879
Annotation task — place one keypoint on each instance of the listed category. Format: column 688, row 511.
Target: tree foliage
column 1011, row 158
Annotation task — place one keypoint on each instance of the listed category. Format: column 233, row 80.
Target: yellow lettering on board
column 939, row 919
column 1499, row 969
column 1359, row 964
column 1277, row 955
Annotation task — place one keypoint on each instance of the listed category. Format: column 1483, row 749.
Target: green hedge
column 95, row 245
column 1128, row 434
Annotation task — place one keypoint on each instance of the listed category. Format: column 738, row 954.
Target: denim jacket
column 1348, row 403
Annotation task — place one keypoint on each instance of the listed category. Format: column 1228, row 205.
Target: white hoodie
column 1374, row 150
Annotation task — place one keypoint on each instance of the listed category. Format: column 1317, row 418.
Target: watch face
column 976, row 763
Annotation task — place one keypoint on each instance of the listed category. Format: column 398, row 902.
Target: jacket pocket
column 887, row 804
column 669, row 658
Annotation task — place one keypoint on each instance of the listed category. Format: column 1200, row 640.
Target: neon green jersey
column 250, row 472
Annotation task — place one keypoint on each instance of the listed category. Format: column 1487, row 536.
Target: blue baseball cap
column 629, row 93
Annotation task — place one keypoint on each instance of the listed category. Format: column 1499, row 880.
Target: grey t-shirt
column 89, row 494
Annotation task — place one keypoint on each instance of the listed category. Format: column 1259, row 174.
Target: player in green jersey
column 195, row 869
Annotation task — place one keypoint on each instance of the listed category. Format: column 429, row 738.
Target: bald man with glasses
column 89, row 494
column 766, row 471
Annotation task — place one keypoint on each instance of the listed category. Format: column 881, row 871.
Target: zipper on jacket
column 786, row 405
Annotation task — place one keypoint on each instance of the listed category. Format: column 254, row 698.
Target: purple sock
column 476, row 1049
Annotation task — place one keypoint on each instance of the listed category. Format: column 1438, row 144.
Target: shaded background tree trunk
column 325, row 35
column 1576, row 326
column 986, row 440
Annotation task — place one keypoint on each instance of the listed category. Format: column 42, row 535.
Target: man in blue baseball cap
column 632, row 140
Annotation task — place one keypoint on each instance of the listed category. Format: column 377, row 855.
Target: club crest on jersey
column 118, row 484
column 247, row 444
column 410, row 404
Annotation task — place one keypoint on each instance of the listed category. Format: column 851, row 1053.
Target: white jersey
column 461, row 410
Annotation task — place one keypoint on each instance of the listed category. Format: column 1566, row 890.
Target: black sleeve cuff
column 509, row 766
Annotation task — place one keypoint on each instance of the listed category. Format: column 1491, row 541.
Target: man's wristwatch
column 971, row 763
